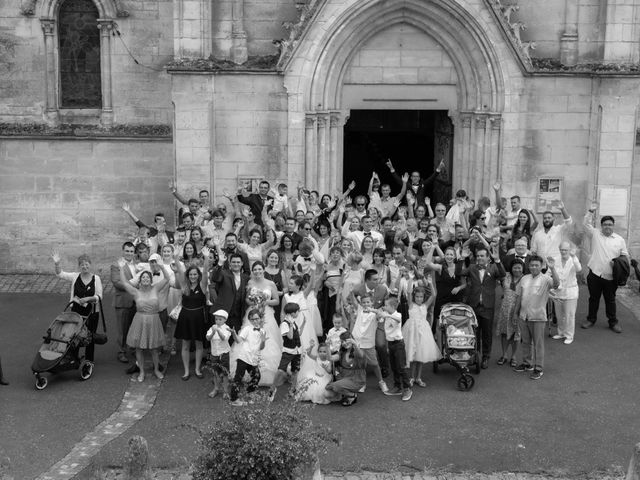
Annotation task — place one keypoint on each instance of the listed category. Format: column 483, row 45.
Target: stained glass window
column 79, row 55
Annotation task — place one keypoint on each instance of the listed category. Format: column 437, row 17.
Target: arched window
column 79, row 55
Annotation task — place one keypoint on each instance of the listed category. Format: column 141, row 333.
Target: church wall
column 67, row 195
column 140, row 95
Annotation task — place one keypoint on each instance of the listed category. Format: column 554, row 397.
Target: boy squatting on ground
column 252, row 339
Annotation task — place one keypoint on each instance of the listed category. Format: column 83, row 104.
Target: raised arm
column 136, row 220
column 130, row 289
column 175, row 193
column 394, row 174
column 374, row 176
column 55, row 256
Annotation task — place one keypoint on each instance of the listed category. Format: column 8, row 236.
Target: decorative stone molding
column 526, row 50
column 511, row 30
column 306, row 12
column 49, row 8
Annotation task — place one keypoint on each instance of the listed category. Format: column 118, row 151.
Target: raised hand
column 125, row 207
column 374, row 175
column 389, row 164
column 405, row 177
column 172, row 186
column 560, row 205
column 396, row 202
column 594, row 206
column 551, row 262
column 427, row 201
column 225, row 193
column 352, row 185
column 55, row 256
column 121, row 262
column 497, row 186
column 441, row 165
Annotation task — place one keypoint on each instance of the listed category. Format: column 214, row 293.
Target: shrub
column 261, row 441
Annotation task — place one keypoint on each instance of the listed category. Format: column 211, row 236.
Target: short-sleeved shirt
column 393, row 326
column 219, row 342
column 534, row 292
column 251, row 339
column 333, row 338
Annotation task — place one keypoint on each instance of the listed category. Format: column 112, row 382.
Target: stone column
column 334, row 152
column 569, row 39
column 323, row 157
column 310, row 149
column 463, row 171
column 50, row 77
column 239, row 52
column 495, row 127
column 478, row 167
column 106, row 27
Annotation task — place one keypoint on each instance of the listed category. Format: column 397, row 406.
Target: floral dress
column 507, row 322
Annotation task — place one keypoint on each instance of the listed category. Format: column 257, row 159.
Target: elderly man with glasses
column 607, row 248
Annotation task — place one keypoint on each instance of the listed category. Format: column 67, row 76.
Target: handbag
column 175, row 313
column 92, row 324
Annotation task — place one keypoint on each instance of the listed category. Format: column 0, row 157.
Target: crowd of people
column 317, row 289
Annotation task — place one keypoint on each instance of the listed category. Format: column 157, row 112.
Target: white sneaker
column 557, row 337
column 272, row 395
column 238, row 403
column 364, row 387
column 383, row 386
column 568, row 341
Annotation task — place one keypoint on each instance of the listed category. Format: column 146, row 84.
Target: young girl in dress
column 419, row 342
column 353, row 276
column 317, row 374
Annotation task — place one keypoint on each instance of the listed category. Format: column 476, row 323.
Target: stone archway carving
column 314, row 78
column 108, row 10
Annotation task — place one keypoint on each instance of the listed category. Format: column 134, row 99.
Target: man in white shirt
column 547, row 238
column 357, row 236
column 605, row 247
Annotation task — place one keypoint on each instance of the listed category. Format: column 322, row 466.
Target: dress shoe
column 587, row 324
column 485, row 363
column 132, row 369
column 616, row 328
column 122, row 357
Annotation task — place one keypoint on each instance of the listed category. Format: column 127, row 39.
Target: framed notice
column 549, row 194
column 613, row 201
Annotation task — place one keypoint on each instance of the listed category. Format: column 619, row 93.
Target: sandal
column 186, row 377
column 199, row 375
column 420, row 383
column 502, row 361
column 513, row 363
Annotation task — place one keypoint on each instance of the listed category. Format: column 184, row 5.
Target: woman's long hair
column 186, row 287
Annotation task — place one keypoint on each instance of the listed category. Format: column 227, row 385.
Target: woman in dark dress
column 192, row 321
column 274, row 273
column 86, row 291
column 448, row 280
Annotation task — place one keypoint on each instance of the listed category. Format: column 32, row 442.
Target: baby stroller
column 60, row 350
column 458, row 326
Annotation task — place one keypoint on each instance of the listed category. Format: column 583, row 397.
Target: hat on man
column 155, row 257
column 221, row 313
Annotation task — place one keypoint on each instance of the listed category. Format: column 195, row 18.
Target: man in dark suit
column 230, row 248
column 159, row 228
column 228, row 287
column 123, row 301
column 482, row 280
column 418, row 187
column 378, row 293
column 255, row 201
column 521, row 253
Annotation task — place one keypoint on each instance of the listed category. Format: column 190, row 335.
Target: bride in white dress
column 263, row 295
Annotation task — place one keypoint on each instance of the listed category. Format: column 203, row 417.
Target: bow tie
column 480, row 267
column 256, row 329
column 367, row 234
column 156, row 274
column 306, row 259
column 521, row 257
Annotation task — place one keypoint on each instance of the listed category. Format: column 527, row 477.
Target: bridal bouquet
column 256, row 297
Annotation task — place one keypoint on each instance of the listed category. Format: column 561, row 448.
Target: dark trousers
column 398, row 361
column 243, row 367
column 124, row 317
column 381, row 352
column 598, row 287
column 485, row 329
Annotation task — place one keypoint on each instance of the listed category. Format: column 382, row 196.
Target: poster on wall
column 613, row 201
column 249, row 183
column 549, row 194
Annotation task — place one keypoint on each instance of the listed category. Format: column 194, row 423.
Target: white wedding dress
column 270, row 355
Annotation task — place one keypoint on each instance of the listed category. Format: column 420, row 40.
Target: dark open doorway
column 412, row 139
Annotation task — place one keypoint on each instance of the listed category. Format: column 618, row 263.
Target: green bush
column 261, row 441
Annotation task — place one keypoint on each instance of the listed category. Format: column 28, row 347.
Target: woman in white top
column 565, row 297
column 86, row 292
column 255, row 249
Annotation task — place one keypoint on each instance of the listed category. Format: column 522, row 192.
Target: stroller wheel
column 41, row 382
column 86, row 370
column 466, row 382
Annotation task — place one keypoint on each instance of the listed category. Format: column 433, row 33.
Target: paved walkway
column 136, row 403
column 27, row 283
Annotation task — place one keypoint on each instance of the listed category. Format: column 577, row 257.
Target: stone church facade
column 539, row 95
